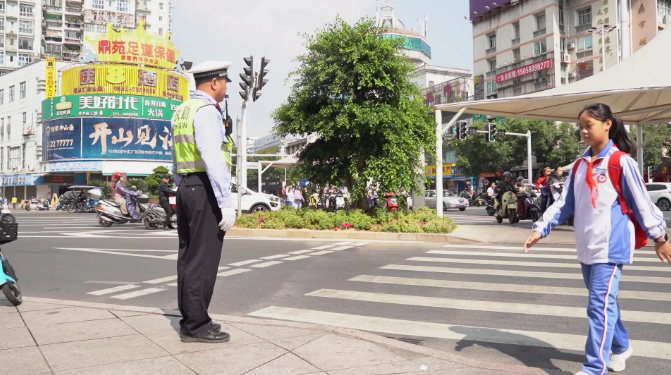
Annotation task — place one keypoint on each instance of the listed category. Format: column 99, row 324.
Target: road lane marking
column 278, row 256
column 245, row 262
column 322, row 252
column 545, row 275
column 561, row 341
column 233, row 272
column 519, row 248
column 111, row 251
column 522, row 255
column 323, row 247
column 299, row 252
column 116, row 289
column 487, row 306
column 138, row 293
column 161, row 280
column 266, row 264
column 298, row 257
column 342, row 243
column 171, row 256
column 342, row 248
column 574, row 266
column 360, row 244
column 513, row 288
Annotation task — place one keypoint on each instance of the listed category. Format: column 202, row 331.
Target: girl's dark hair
column 618, row 134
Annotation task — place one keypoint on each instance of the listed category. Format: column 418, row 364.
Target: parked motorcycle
column 477, row 201
column 8, row 279
column 527, row 209
column 507, row 208
column 391, row 202
column 490, row 206
column 155, row 217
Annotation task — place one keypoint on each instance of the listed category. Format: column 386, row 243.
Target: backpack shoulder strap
column 615, row 176
column 575, row 168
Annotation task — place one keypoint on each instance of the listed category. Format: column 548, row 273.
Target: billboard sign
column 107, row 138
column 50, row 78
column 98, row 105
column 479, row 87
column 72, row 166
column 527, row 69
column 482, row 7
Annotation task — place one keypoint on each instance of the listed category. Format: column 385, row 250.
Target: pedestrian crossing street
column 134, row 290
column 494, row 295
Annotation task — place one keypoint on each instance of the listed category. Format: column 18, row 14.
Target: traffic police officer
column 202, row 161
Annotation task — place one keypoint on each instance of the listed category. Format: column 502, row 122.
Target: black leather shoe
column 210, row 336
column 216, row 327
column 171, row 227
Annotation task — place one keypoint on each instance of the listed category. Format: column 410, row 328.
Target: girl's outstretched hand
column 532, row 240
column 663, row 251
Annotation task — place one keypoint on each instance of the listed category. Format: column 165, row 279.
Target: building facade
column 20, row 33
column 526, row 46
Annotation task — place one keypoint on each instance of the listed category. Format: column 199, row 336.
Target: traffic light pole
column 529, row 162
column 242, row 155
column 440, row 131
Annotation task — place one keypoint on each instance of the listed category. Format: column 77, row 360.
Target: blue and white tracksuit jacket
column 604, row 242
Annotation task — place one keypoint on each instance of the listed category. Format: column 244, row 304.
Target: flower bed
column 422, row 220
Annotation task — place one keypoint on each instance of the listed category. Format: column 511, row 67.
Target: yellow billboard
column 50, row 77
column 134, row 47
column 124, row 79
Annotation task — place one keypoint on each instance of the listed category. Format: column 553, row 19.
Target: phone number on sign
column 542, row 65
column 61, row 143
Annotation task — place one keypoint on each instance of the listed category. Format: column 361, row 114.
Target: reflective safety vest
column 186, row 152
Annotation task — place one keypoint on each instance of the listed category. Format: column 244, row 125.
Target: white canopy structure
column 638, row 90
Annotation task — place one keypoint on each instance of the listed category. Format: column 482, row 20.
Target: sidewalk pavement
column 45, row 336
column 508, row 234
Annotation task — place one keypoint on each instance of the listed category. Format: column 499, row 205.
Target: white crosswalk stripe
column 139, row 293
column 489, row 279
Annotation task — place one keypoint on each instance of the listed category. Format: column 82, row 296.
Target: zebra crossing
column 530, row 300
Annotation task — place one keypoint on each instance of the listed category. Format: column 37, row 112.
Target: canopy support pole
column 657, row 129
column 639, row 147
column 439, row 155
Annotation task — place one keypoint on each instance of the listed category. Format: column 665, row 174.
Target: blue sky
column 217, row 30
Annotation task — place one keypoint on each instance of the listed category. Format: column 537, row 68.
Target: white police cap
column 211, row 69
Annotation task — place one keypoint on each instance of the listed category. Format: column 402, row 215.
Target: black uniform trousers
column 200, row 246
column 165, row 204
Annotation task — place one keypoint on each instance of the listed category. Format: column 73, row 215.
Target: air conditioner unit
column 566, row 58
column 571, row 46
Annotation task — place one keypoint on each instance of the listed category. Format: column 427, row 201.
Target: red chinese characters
column 119, row 47
column 147, row 50
column 104, row 46
column 528, row 69
column 133, row 48
column 170, row 55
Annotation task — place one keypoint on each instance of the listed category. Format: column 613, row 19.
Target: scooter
column 507, row 208
column 391, row 201
column 155, row 217
column 527, row 208
column 490, row 206
column 8, row 278
column 109, row 212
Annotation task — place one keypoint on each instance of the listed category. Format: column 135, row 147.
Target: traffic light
column 261, row 79
column 247, row 77
column 461, row 130
column 491, row 132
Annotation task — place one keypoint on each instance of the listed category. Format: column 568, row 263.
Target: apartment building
column 20, row 33
column 525, row 46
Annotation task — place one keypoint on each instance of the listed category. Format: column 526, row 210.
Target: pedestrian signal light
column 491, row 132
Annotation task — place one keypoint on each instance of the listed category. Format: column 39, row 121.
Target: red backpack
column 615, row 174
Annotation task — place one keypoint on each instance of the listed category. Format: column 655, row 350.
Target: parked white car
column 660, row 194
column 251, row 200
column 449, row 200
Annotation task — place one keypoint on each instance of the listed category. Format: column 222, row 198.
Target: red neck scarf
column 589, row 179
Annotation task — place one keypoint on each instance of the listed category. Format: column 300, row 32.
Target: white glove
column 227, row 219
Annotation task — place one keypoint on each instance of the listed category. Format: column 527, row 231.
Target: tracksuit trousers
column 606, row 330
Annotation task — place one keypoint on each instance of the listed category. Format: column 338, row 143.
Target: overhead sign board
column 527, row 69
column 50, row 78
column 99, row 105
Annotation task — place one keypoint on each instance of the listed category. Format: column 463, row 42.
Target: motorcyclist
column 504, row 186
column 164, row 193
column 119, row 191
column 520, row 185
column 556, row 178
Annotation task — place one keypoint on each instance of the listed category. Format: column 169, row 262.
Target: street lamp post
column 602, row 31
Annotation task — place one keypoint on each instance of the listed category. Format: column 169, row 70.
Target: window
column 491, row 41
column 14, row 157
column 160, row 18
column 22, row 94
column 664, row 7
column 517, row 55
column 655, row 187
column 98, row 4
column 431, row 83
column 491, row 65
column 540, row 21
column 540, row 47
column 2, row 23
column 26, row 43
column 562, row 44
column 561, row 12
column 122, row 5
column 2, row 8
column 2, row 41
column 584, row 42
column 2, row 96
column 23, row 156
column 2, row 131
column 24, row 59
column 2, row 59
column 160, row 5
column 491, row 87
column 26, row 26
column 563, row 70
column 11, row 94
column 25, row 118
column 25, row 11
column 516, row 33
column 160, row 31
column 2, row 161
column 9, row 128
column 585, row 17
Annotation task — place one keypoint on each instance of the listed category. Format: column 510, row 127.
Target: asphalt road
column 485, row 302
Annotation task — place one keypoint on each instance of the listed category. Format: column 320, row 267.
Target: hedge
column 422, row 220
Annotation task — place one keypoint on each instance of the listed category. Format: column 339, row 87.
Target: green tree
column 654, row 150
column 476, row 155
column 352, row 87
column 139, row 183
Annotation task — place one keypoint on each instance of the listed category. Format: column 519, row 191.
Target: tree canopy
column 352, row 87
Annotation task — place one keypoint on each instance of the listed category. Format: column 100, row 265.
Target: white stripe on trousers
column 605, row 316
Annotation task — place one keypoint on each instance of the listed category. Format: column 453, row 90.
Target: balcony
column 9, row 47
column 143, row 8
column 582, row 28
column 490, row 51
column 515, row 41
column 73, row 40
column 71, row 56
column 53, row 9
column 71, row 10
column 540, row 32
column 51, row 25
column 74, row 26
column 27, row 15
column 26, row 31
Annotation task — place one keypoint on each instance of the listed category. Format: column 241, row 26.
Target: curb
column 346, row 235
column 361, row 335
